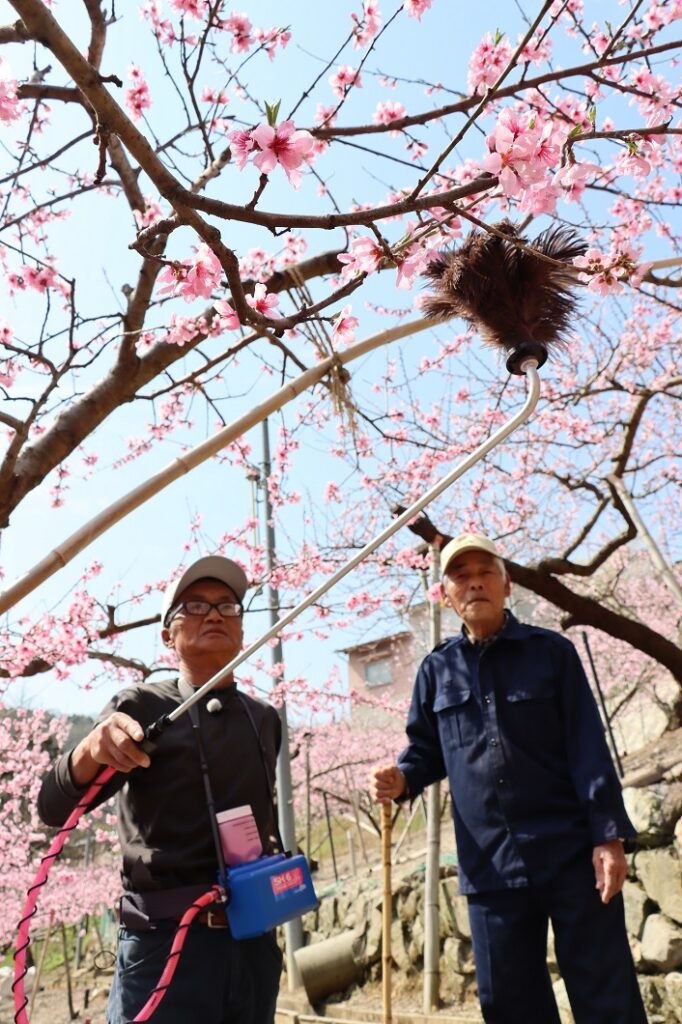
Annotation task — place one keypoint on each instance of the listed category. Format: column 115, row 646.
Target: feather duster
column 516, row 301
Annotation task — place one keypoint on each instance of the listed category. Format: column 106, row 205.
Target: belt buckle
column 217, row 921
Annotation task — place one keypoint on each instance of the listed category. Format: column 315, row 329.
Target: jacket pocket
column 458, row 716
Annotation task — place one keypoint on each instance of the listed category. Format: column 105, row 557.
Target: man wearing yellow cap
column 505, row 712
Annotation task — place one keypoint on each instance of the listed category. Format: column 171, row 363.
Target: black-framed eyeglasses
column 226, row 609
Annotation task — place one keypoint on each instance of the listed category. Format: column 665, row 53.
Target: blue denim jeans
column 218, row 980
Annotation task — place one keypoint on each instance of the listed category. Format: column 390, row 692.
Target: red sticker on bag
column 286, row 881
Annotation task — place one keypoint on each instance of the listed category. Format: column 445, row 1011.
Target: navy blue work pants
column 509, row 937
column 219, row 980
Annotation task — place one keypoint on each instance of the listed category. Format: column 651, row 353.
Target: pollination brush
column 518, row 300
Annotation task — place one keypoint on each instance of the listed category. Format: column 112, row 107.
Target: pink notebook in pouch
column 239, row 836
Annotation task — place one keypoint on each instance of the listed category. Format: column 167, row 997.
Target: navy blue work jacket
column 515, row 728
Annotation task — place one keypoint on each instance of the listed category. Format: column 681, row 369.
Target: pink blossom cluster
column 522, row 149
column 263, row 301
column 170, row 416
column 597, row 40
column 196, row 9
column 295, row 248
column 270, row 38
column 345, row 79
column 332, row 492
column 241, row 28
column 364, row 603
column 151, row 213
column 60, row 641
column 343, row 753
column 137, row 96
column 388, row 111
column 604, row 273
column 416, row 8
column 655, row 97
column 344, row 328
column 487, row 62
column 9, row 367
column 192, row 278
column 537, row 50
column 366, row 25
column 413, row 259
column 325, row 115
column 41, row 278
column 268, row 146
column 28, row 739
column 217, row 97
column 258, row 264
column 364, row 257
column 163, row 28
column 244, row 35
column 10, row 106
column 573, row 178
column 183, row 330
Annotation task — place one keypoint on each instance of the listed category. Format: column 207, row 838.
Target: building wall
column 386, row 667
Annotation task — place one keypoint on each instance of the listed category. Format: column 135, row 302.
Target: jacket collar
column 511, row 630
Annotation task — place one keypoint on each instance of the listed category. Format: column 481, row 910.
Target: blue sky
column 145, row 546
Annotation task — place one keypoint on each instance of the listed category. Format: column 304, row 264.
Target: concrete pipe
column 331, row 966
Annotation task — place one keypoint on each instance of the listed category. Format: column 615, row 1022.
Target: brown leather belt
column 212, row 917
column 141, row 911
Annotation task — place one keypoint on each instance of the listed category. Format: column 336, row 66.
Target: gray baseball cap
column 213, row 567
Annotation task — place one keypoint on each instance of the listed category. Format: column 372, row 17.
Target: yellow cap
column 466, row 542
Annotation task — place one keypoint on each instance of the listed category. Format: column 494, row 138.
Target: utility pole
column 293, row 930
column 432, row 876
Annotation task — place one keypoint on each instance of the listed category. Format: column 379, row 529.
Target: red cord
column 23, row 939
column 212, row 896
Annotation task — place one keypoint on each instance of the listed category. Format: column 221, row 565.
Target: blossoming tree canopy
column 200, row 203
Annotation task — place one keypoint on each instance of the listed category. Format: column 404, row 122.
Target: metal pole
column 293, row 930
column 432, row 875
column 352, row 867
column 655, row 552
column 530, row 369
column 607, row 717
column 329, row 831
column 308, row 808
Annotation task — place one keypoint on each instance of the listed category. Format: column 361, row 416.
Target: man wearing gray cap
column 164, row 826
column 505, row 712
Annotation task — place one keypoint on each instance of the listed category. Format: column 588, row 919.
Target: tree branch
column 16, row 33
column 587, row 611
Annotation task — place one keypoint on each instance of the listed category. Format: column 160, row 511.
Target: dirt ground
column 89, row 998
column 51, row 1005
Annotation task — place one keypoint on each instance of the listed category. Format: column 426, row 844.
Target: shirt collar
column 186, row 690
column 481, row 645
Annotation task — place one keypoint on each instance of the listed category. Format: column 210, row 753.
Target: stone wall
column 653, row 908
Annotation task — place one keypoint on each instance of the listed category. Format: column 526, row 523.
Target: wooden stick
column 123, row 506
column 67, row 968
column 41, row 964
column 387, row 916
